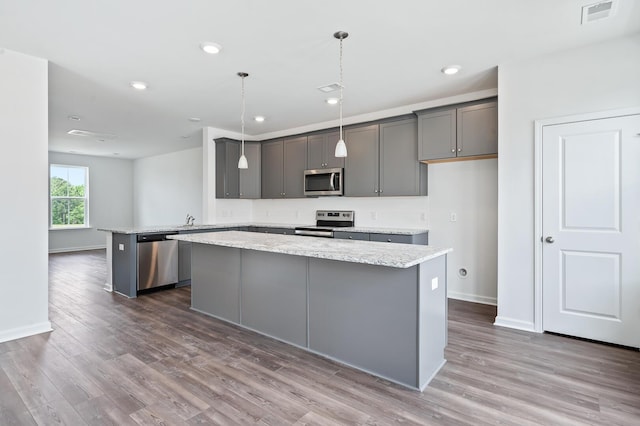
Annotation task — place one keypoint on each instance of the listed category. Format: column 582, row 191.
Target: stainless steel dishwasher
column 157, row 260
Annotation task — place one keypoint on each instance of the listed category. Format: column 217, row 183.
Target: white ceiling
column 392, row 58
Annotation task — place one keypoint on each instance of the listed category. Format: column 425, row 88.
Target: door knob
column 550, row 240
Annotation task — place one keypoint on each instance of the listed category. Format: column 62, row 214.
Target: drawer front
column 341, row 235
column 392, row 238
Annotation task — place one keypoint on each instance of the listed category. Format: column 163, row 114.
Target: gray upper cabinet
column 232, row 182
column 361, row 167
column 227, row 176
column 477, row 130
column 321, row 149
column 466, row 131
column 400, row 172
column 283, row 165
column 295, row 162
column 272, row 169
column 250, row 178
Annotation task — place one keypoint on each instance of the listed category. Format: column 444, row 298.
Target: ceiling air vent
column 90, row 134
column 597, row 11
column 329, row 87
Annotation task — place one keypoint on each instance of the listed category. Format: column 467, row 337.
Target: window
column 69, row 196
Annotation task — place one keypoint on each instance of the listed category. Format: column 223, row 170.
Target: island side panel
column 366, row 316
column 215, row 281
column 124, row 264
column 274, row 295
column 433, row 318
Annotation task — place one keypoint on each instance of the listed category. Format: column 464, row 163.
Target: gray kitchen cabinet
column 466, row 131
column 272, row 230
column 295, row 162
column 283, row 165
column 422, row 238
column 250, row 178
column 361, row 167
column 345, row 235
column 227, row 178
column 321, row 151
column 232, row 182
column 272, row 169
column 401, row 174
column 184, row 262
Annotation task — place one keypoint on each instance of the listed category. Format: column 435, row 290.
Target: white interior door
column 591, row 229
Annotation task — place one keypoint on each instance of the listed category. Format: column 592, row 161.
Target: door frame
column 537, row 227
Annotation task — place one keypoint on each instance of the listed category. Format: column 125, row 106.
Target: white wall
column 167, row 187
column 594, row 78
column 23, row 169
column 110, row 201
column 469, row 190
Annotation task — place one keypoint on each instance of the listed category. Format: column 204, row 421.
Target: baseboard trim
column 70, row 249
column 472, row 298
column 514, row 323
column 26, row 331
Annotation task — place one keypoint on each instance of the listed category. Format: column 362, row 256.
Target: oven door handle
column 332, row 179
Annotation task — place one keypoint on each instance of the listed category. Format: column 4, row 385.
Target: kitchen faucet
column 190, row 219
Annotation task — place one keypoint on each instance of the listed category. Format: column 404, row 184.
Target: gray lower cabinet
column 422, row 238
column 283, row 165
column 467, row 131
column 361, row 168
column 184, row 262
column 272, row 230
column 321, row 151
column 342, row 235
column 232, row 182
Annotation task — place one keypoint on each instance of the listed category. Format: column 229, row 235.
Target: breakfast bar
column 379, row 307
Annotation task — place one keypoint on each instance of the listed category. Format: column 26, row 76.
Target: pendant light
column 341, row 148
column 242, row 162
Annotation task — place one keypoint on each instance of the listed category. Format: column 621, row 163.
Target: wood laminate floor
column 150, row 360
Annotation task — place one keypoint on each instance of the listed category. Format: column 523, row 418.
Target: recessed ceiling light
column 138, row 85
column 332, row 101
column 211, row 48
column 259, row 118
column 73, row 117
column 194, row 119
column 451, row 69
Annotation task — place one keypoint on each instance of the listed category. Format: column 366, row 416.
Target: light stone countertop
column 199, row 227
column 393, row 255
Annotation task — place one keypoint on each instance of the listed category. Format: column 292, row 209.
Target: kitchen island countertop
column 366, row 252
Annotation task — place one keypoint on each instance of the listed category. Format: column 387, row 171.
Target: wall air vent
column 597, row 11
column 90, row 134
column 329, row 87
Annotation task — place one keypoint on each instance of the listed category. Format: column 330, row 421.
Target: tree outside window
column 69, row 195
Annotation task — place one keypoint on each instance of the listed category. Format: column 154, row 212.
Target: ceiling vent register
column 597, row 11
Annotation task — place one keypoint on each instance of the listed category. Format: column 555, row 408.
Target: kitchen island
column 379, row 307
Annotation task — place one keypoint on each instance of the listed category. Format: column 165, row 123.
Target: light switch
column 121, row 247
column 434, row 283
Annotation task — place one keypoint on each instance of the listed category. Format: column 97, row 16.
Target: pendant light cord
column 341, row 88
column 242, row 116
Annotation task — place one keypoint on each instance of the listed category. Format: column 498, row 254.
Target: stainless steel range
column 326, row 221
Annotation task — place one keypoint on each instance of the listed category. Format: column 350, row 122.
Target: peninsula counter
column 379, row 307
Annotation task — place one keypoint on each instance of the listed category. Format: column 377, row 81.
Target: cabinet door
column 331, row 161
column 478, row 129
column 272, row 168
column 295, row 162
column 437, row 135
column 361, row 165
column 342, row 235
column 227, row 176
column 316, row 150
column 399, row 166
column 250, row 178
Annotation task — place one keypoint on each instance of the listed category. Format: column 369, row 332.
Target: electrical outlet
column 453, row 217
column 121, row 247
column 374, row 216
column 434, row 283
column 423, row 217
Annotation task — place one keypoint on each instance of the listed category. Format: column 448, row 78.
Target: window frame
column 85, row 198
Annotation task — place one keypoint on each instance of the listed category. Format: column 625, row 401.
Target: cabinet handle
column 241, row 194
column 453, row 150
column 375, row 190
column 227, row 193
column 388, row 240
column 351, row 238
column 459, row 149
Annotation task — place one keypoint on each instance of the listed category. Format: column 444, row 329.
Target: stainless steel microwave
column 323, row 182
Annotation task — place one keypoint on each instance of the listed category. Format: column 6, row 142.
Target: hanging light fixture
column 242, row 162
column 341, row 148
